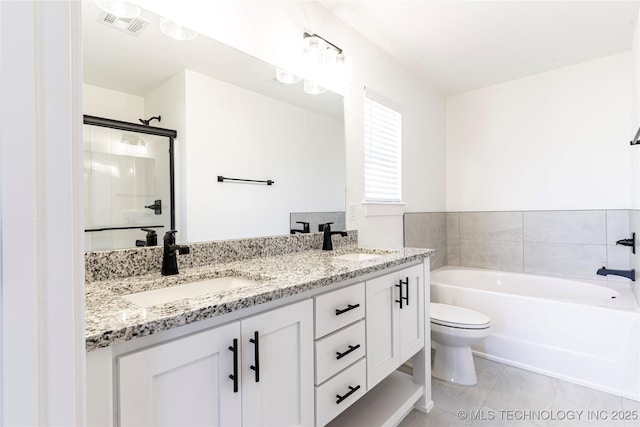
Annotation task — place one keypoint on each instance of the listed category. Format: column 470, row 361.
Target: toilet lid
column 458, row 317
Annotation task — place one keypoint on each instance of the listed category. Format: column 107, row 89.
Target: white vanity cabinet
column 395, row 321
column 182, row 382
column 340, row 351
column 187, row 381
column 328, row 357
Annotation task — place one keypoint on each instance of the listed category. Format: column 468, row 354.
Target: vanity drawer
column 337, row 309
column 339, row 350
column 350, row 385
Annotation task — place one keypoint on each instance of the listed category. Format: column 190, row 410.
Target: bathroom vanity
column 303, row 338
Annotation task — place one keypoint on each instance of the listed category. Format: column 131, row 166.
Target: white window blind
column 383, row 152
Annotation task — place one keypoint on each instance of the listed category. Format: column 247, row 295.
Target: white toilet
column 453, row 331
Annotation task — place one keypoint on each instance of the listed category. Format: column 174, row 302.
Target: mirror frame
column 149, row 130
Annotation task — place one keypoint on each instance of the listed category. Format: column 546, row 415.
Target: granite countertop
column 111, row 319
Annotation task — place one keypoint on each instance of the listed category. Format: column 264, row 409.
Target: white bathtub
column 576, row 331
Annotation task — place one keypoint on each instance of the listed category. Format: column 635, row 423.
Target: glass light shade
column 343, row 67
column 313, row 88
column 314, row 48
column 119, row 8
column 177, row 31
column 286, row 77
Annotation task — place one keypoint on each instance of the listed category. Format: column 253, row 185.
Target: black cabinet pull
column 344, row 310
column 255, row 341
column 351, row 391
column 406, row 282
column 351, row 348
column 234, row 376
column 401, row 297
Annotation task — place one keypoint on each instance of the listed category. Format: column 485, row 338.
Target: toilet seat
column 458, row 317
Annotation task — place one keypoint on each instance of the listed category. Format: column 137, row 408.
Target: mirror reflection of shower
column 149, row 120
column 128, row 178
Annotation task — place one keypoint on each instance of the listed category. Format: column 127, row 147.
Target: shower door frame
column 149, row 130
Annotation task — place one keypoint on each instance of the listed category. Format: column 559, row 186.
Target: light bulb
column 286, row 77
column 177, row 31
column 313, row 88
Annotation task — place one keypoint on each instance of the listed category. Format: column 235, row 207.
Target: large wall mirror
column 233, row 118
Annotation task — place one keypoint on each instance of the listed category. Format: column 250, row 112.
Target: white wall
column 42, row 303
column 111, row 104
column 555, row 140
column 271, row 31
column 238, row 133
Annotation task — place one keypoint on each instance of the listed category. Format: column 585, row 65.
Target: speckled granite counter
column 110, row 319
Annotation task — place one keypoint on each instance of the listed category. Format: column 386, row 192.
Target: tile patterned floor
column 512, row 397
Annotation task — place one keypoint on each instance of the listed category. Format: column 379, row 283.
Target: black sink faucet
column 170, row 254
column 327, row 244
column 629, row 274
column 305, row 228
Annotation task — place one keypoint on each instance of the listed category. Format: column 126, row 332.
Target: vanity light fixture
column 177, row 31
column 325, row 61
column 119, row 8
column 286, row 77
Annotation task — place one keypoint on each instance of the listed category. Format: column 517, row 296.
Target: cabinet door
column 183, row 382
column 412, row 320
column 280, row 391
column 383, row 355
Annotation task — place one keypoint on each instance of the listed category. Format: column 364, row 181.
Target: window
column 383, row 153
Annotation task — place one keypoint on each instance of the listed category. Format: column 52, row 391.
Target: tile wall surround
column 558, row 243
column 427, row 230
column 121, row 263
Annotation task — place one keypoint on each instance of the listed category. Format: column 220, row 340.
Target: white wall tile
column 563, row 259
column 618, row 226
column 583, row 227
column 453, row 251
column 497, row 255
column 501, row 226
column 453, row 225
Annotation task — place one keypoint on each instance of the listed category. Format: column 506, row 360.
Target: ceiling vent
column 133, row 26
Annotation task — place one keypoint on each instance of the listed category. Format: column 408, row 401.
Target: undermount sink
column 358, row 256
column 190, row 290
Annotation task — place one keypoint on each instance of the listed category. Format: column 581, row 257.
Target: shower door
column 128, row 183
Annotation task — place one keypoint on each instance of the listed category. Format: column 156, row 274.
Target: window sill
column 383, row 209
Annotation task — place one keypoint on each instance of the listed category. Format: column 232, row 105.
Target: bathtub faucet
column 629, row 274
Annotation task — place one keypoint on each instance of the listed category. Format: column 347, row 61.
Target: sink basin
column 357, row 256
column 190, row 290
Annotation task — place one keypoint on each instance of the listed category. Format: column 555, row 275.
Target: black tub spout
column 629, row 274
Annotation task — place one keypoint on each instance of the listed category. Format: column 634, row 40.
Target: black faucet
column 305, row 228
column 327, row 244
column 170, row 254
column 150, row 240
column 629, row 274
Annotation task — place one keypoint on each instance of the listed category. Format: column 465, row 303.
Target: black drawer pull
column 256, row 354
column 234, row 376
column 351, row 348
column 344, row 310
column 351, row 391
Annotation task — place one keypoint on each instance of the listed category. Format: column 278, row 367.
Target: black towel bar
column 223, row 179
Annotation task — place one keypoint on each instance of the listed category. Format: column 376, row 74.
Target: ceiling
column 464, row 45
